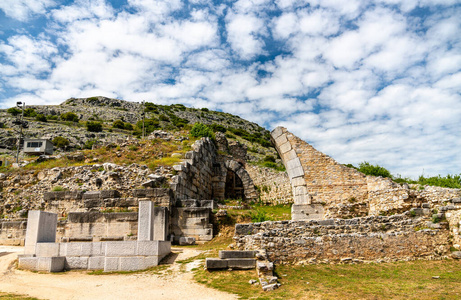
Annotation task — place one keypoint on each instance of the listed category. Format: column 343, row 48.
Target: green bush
column 128, row 126
column 218, row 127
column 51, row 117
column 29, row 112
column 269, row 158
column 94, row 126
column 259, row 216
column 60, row 142
column 41, row 118
column 204, row 109
column 164, row 118
column 149, row 126
column 14, row 111
column 118, row 124
column 89, row 144
column 374, row 170
column 201, row 130
column 69, row 116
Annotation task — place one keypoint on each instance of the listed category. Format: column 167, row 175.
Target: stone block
column 126, row 248
column 92, row 249
column 289, row 155
column 28, row 263
column 277, row 132
column 186, row 241
column 208, row 204
column 90, row 203
column 71, row 249
column 47, row 249
column 456, row 200
column 284, row 148
column 293, row 163
column 215, row 263
column 91, row 195
column 265, row 266
column 145, row 221
column 295, row 172
column 131, row 263
column 150, row 261
column 96, row 263
column 307, row 212
column 51, row 264
column 241, row 263
column 302, row 199
column 111, row 264
column 164, row 248
column 110, row 194
column 236, row 254
column 160, row 223
column 147, row 248
column 76, row 262
column 282, row 139
column 41, row 228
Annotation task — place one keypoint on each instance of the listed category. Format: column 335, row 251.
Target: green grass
column 8, row 296
column 401, row 280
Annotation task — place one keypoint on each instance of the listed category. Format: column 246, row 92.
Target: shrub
column 58, row 188
column 149, row 126
column 201, row 130
column 164, row 118
column 69, row 116
column 118, row 124
column 89, row 144
column 14, row 111
column 60, row 142
column 51, row 117
column 205, row 109
column 94, row 126
column 218, row 127
column 259, row 216
column 29, row 112
column 374, row 170
column 269, row 158
column 41, row 118
column 128, row 126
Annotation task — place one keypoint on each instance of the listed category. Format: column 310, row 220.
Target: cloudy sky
column 360, row 80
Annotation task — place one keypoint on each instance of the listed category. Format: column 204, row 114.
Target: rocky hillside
column 121, row 121
column 115, row 156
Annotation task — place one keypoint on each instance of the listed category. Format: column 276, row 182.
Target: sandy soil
column 175, row 283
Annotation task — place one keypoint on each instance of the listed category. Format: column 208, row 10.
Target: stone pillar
column 152, row 222
column 302, row 209
column 160, row 223
column 41, row 228
column 145, row 221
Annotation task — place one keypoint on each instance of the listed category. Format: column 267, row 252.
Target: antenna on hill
column 22, row 124
column 143, row 118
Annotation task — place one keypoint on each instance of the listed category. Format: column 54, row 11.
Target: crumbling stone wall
column 13, row 232
column 195, row 174
column 379, row 238
column 274, row 187
column 202, row 174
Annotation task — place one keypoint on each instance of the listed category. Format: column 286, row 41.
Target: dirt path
column 175, row 283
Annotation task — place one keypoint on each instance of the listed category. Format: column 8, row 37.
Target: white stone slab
column 47, row 249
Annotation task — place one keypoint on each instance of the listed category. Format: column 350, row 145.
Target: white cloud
column 243, row 34
column 358, row 80
column 22, row 10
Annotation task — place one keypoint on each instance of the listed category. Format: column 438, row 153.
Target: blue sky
column 360, row 80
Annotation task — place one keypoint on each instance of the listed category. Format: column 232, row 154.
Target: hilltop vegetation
column 448, row 181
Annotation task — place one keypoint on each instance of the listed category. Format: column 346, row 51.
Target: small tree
column 29, row 112
column 14, row 111
column 118, row 124
column 201, row 130
column 69, row 116
column 94, row 126
column 41, row 118
column 60, row 142
column 374, row 170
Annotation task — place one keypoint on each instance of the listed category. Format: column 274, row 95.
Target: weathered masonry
column 42, row 253
column 323, row 188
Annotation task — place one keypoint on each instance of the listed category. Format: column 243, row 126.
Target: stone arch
column 237, row 170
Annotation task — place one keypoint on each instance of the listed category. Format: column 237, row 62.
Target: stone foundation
column 379, row 238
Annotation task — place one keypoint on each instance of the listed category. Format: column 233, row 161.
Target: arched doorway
column 234, row 186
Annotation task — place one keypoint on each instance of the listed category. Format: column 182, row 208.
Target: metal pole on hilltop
column 21, row 124
column 143, row 118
